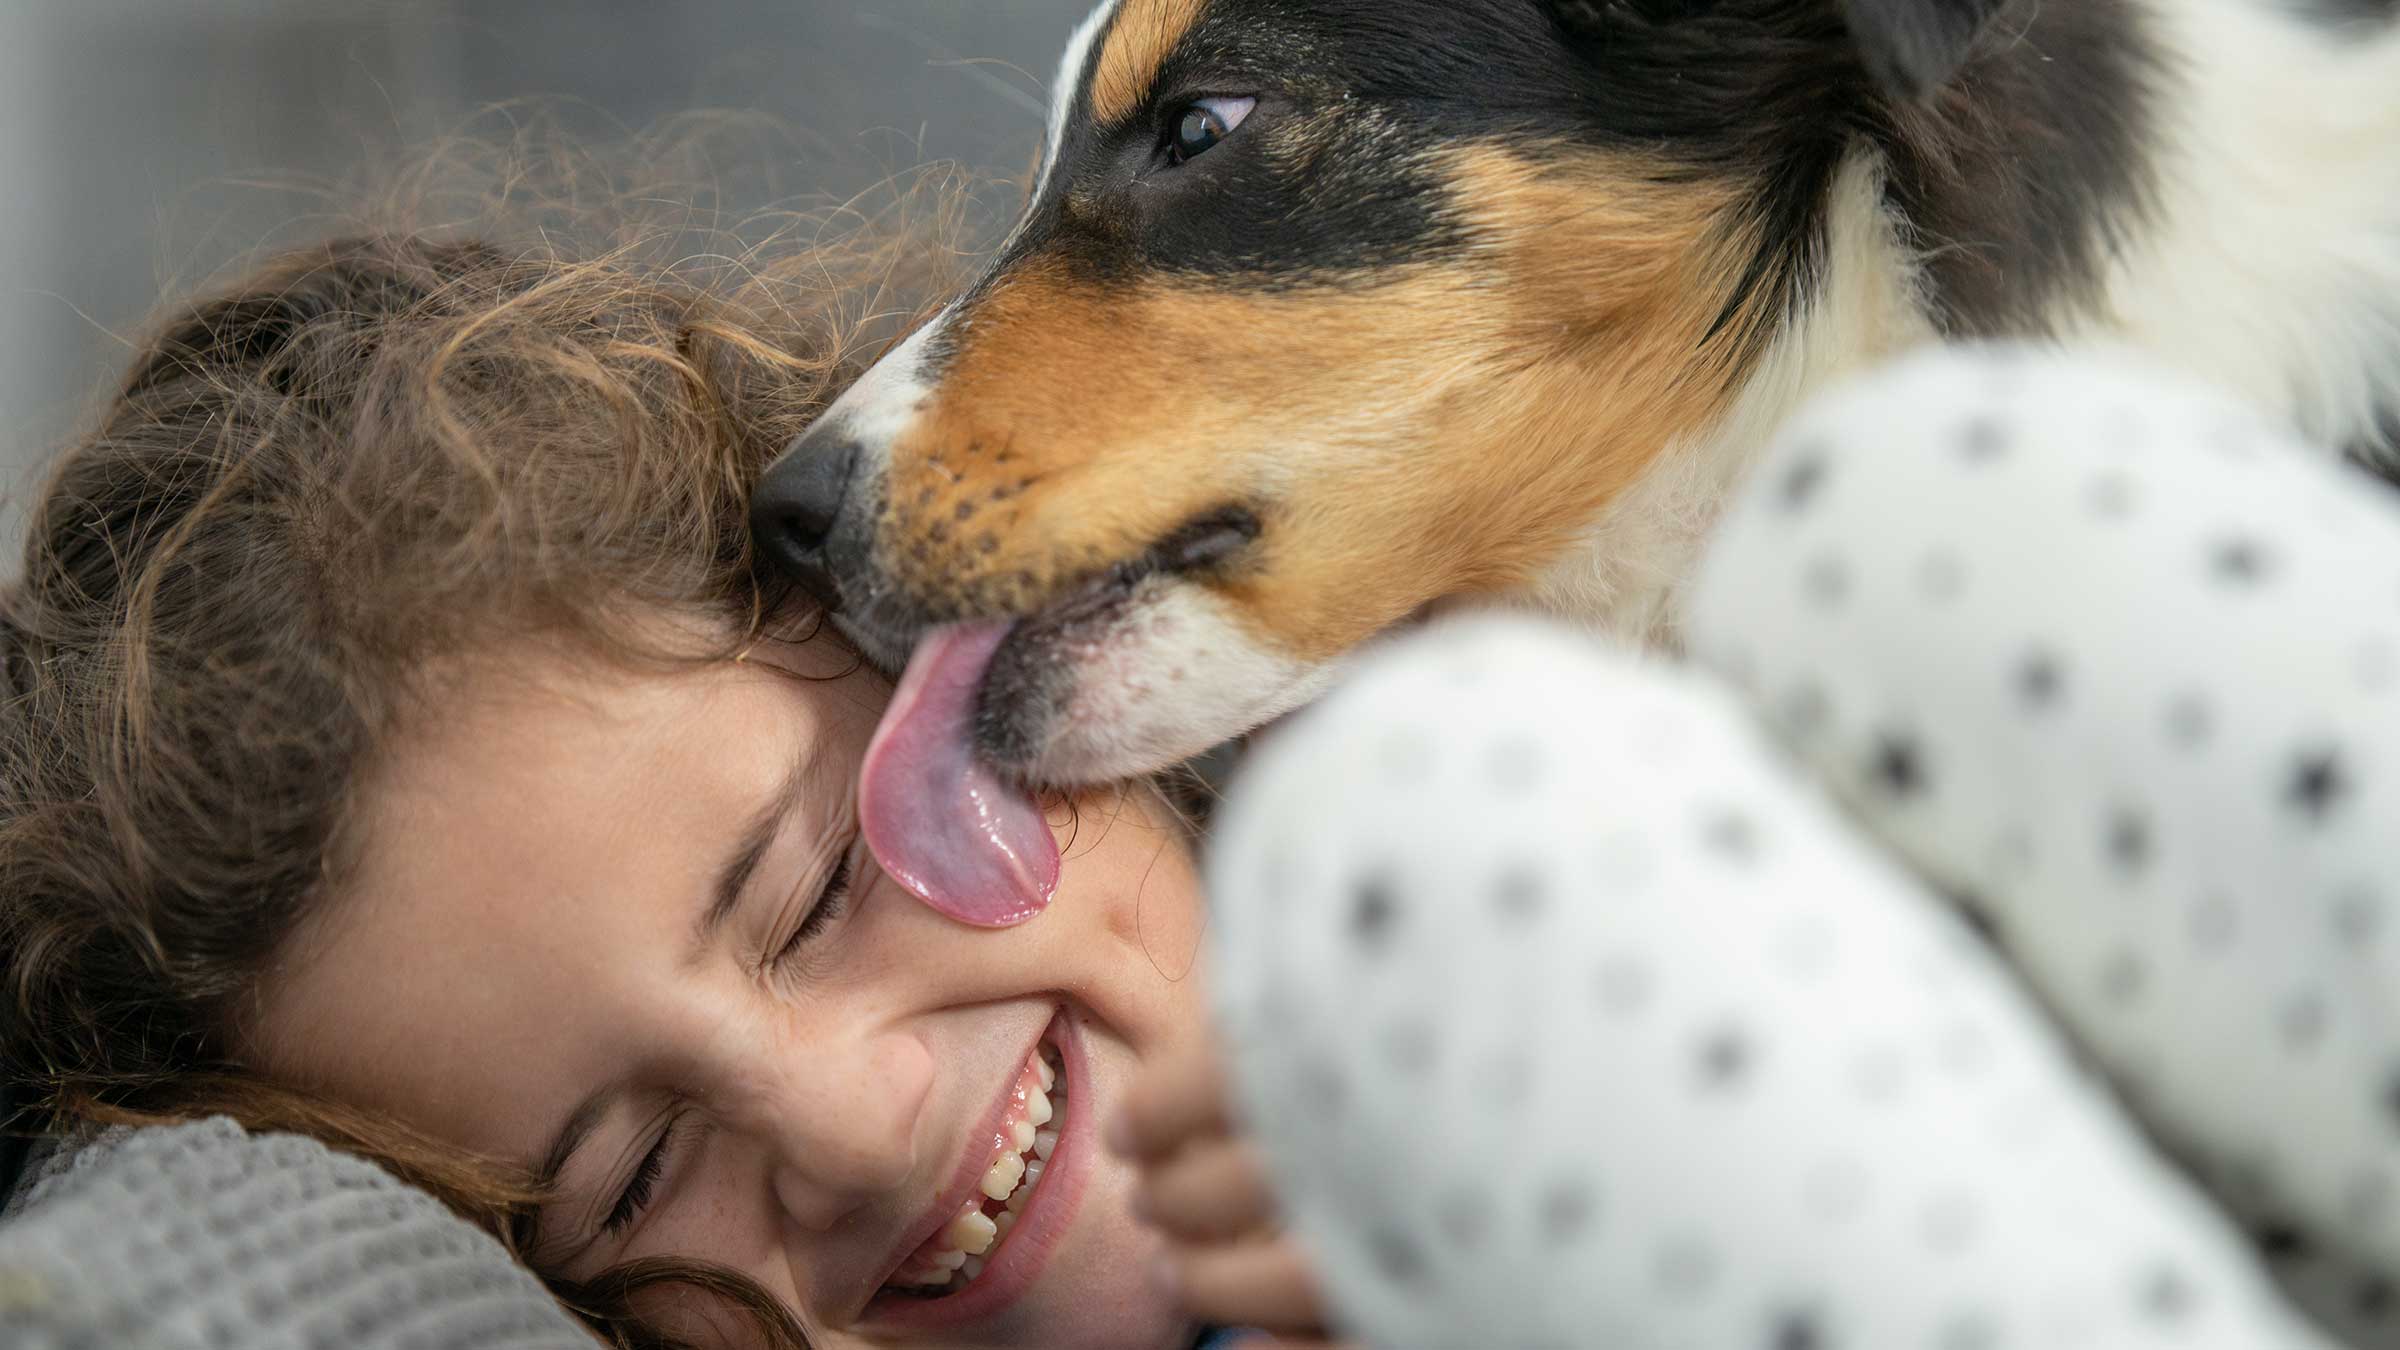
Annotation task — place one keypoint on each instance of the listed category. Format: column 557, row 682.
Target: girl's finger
column 1267, row 1285
column 1169, row 1105
column 1211, row 1191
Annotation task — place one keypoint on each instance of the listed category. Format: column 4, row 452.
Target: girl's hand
column 1205, row 1189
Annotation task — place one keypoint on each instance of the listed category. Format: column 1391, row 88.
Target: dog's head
column 1323, row 310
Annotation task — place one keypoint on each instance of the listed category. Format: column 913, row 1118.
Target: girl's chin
column 1099, row 1294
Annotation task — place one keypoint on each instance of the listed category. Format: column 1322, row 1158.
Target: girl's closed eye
column 632, row 1200
column 831, row 903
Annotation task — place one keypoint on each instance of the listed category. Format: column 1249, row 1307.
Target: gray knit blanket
column 204, row 1237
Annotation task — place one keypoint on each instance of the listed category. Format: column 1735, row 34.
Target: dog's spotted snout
column 796, row 513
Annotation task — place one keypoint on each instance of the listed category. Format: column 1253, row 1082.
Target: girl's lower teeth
column 956, row 1255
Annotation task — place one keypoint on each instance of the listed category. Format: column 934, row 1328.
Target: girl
column 400, row 747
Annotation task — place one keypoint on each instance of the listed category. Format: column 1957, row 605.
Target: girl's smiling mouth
column 986, row 1241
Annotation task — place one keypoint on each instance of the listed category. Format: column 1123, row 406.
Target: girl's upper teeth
column 1007, row 1170
column 971, row 1232
column 959, row 1250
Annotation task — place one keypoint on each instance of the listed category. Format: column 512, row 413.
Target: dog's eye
column 1204, row 122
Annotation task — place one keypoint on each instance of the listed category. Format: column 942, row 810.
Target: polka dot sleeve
column 2116, row 665
column 1567, row 1015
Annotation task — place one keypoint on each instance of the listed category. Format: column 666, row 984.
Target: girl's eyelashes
column 831, row 901
column 636, row 1196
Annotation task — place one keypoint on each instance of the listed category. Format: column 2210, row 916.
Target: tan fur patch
column 1448, row 429
column 1140, row 39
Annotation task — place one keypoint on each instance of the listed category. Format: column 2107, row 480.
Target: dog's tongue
column 940, row 822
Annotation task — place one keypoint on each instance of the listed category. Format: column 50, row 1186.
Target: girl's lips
column 1017, row 1263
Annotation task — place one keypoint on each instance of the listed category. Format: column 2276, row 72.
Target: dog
column 1322, row 314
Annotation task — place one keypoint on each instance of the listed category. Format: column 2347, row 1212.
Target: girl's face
column 620, row 929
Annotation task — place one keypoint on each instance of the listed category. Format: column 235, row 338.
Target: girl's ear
column 1913, row 47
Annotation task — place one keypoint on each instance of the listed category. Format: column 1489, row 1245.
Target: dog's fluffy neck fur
column 1625, row 574
column 2259, row 249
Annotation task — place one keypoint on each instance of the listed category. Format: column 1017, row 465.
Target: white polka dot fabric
column 1572, row 1011
column 2119, row 664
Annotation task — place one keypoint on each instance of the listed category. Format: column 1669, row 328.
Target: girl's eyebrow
column 580, row 1123
column 748, row 851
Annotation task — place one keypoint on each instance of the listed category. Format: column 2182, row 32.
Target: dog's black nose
column 798, row 505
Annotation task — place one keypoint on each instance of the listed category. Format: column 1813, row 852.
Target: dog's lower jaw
column 1624, row 577
column 1172, row 675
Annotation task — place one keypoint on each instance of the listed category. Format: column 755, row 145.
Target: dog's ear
column 1912, row 47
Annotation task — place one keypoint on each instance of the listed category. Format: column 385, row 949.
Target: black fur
column 2012, row 179
column 2018, row 179
column 1913, row 47
column 2013, row 174
column 1322, row 184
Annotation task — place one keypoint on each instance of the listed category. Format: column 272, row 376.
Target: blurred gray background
column 132, row 131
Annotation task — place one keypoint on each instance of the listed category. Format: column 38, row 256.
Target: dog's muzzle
column 796, row 513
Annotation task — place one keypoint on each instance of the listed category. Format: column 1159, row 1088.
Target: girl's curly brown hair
column 362, row 456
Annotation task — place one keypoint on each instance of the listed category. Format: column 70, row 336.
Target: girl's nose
column 841, row 1129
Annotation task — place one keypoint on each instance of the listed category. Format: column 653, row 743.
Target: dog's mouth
column 938, row 818
column 945, row 801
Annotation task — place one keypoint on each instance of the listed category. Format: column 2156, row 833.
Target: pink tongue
column 941, row 823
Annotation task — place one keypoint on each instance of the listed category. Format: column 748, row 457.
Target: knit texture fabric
column 203, row 1236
